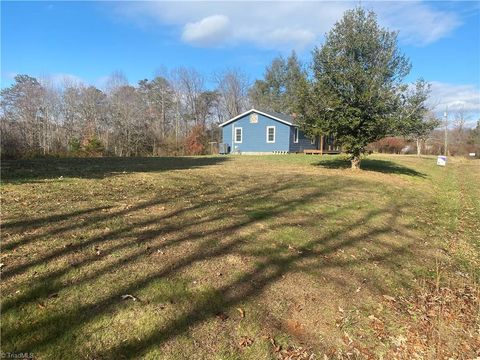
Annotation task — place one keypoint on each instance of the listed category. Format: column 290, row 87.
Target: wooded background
column 174, row 113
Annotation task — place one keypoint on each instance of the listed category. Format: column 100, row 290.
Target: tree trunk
column 419, row 147
column 355, row 162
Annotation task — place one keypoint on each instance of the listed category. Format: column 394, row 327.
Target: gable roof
column 283, row 118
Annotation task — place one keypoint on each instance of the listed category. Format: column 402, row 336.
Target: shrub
column 196, row 140
column 388, row 145
column 74, row 145
column 94, row 147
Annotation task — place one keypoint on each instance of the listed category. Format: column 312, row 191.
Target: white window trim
column 296, row 135
column 235, row 135
column 274, row 135
column 312, row 141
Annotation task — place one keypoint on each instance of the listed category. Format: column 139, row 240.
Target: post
column 446, row 130
column 321, row 144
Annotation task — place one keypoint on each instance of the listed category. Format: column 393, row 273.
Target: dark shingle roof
column 275, row 115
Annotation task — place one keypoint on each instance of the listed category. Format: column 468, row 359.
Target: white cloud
column 210, row 30
column 456, row 97
column 419, row 23
column 286, row 37
column 283, row 24
column 465, row 97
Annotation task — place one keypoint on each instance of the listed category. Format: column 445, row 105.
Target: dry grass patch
column 238, row 257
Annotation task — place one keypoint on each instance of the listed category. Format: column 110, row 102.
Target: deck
column 320, row 152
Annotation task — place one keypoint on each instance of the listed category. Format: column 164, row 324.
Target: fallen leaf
column 241, row 311
column 399, row 340
column 389, row 298
column 246, row 341
column 128, row 296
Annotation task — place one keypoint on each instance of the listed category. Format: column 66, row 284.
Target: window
column 295, row 135
column 238, row 134
column 312, row 141
column 270, row 134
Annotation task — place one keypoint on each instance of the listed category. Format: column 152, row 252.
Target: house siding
column 255, row 135
column 303, row 143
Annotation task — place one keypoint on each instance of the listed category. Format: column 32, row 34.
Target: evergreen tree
column 279, row 90
column 356, row 93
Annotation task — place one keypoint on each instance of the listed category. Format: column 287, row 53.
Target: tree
column 23, row 110
column 475, row 135
column 417, row 120
column 191, row 84
column 357, row 83
column 94, row 147
column 295, row 84
column 157, row 99
column 232, row 87
column 280, row 89
column 92, row 103
column 206, row 102
column 127, row 121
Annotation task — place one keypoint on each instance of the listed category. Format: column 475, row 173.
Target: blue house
column 257, row 131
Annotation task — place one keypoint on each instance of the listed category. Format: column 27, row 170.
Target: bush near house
column 195, row 143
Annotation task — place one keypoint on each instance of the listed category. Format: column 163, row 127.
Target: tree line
column 160, row 116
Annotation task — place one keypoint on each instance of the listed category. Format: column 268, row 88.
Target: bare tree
column 22, row 109
column 116, row 80
column 157, row 98
column 232, row 86
column 155, row 117
column 191, row 84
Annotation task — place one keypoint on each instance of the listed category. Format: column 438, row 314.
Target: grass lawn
column 243, row 257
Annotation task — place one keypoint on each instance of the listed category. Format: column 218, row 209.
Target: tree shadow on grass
column 382, row 166
column 202, row 231
column 22, row 171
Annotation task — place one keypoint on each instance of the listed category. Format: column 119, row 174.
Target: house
column 257, row 131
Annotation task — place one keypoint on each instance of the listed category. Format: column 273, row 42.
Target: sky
column 87, row 41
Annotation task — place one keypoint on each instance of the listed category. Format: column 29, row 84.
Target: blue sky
column 87, row 41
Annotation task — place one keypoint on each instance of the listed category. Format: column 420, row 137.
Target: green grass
column 293, row 250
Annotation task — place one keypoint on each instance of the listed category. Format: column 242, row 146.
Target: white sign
column 442, row 160
column 472, row 154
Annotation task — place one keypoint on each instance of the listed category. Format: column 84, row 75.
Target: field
column 244, row 257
